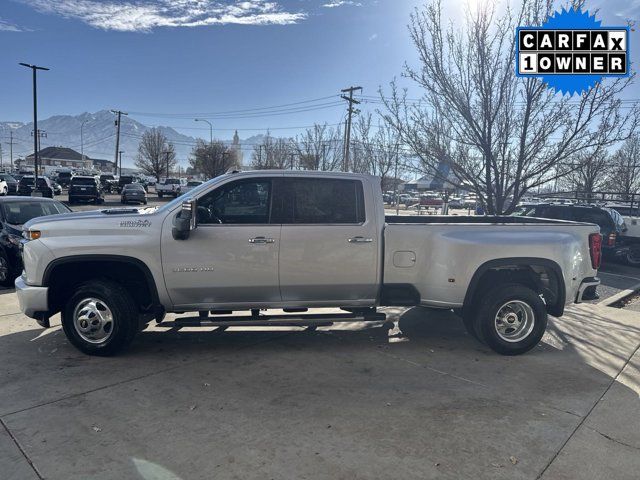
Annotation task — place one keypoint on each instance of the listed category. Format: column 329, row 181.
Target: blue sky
column 200, row 56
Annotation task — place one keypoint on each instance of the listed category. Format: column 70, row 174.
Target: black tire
column 633, row 256
column 468, row 319
column 525, row 301
column 6, row 272
column 124, row 325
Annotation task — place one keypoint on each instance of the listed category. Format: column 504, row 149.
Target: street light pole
column 210, row 129
column 34, row 68
column 82, row 139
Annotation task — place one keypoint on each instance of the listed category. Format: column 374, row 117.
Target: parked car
column 85, row 189
column 12, row 183
column 64, row 178
column 168, row 186
column 191, row 184
column 4, row 188
column 108, row 182
column 283, row 239
column 25, row 186
column 631, row 236
column 133, row 192
column 14, row 212
column 611, row 223
column 128, row 179
column 57, row 189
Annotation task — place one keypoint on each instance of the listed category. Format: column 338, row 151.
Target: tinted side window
column 594, row 216
column 558, row 213
column 241, row 202
column 319, row 201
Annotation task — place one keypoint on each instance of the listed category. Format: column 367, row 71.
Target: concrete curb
column 607, row 302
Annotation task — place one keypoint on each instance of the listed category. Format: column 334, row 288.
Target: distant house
column 53, row 158
column 441, row 180
column 59, row 157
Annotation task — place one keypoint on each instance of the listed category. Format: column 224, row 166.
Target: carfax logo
column 572, row 52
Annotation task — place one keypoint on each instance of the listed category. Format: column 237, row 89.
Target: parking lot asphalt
column 352, row 401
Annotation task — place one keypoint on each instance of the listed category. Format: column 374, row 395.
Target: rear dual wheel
column 511, row 319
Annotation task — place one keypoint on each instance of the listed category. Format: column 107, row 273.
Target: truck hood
column 112, row 215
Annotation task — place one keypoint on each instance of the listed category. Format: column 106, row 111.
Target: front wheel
column 101, row 318
column 633, row 256
column 511, row 319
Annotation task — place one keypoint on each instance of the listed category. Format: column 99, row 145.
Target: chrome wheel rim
column 4, row 269
column 93, row 320
column 514, row 321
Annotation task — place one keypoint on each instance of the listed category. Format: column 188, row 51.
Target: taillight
column 595, row 249
column 611, row 240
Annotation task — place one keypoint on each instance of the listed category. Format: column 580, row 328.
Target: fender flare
column 151, row 284
column 556, row 309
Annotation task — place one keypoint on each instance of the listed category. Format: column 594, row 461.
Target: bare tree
column 376, row 149
column 212, row 159
column 586, row 173
column 274, row 153
column 625, row 174
column 499, row 135
column 319, row 148
column 156, row 156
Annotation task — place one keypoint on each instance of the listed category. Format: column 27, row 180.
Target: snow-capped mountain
column 99, row 134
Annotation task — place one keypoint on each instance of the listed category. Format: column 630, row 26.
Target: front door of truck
column 329, row 243
column 231, row 258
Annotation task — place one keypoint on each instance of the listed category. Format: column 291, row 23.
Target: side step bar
column 308, row 320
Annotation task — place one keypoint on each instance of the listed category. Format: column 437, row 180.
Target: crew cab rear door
column 328, row 242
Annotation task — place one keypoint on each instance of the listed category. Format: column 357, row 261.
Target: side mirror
column 185, row 220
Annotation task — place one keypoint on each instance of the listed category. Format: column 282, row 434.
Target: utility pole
column 350, row 111
column 10, row 143
column 395, row 184
column 37, row 134
column 82, row 139
column 167, row 153
column 34, row 69
column 119, row 114
column 121, row 152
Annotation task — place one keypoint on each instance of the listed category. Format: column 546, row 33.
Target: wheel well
column 544, row 279
column 64, row 277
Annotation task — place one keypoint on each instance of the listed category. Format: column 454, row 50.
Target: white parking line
column 618, row 275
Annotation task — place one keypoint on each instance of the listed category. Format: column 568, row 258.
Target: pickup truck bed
column 297, row 240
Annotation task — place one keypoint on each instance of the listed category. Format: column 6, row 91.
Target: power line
column 247, row 110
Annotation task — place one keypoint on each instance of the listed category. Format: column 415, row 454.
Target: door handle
column 360, row 240
column 261, row 240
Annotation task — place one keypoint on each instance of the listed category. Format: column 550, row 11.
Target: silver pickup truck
column 296, row 240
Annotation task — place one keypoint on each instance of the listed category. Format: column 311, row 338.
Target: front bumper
column 586, row 283
column 33, row 301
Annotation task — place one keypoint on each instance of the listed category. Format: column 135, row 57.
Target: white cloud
column 373, row 37
column 341, row 3
column 146, row 15
column 10, row 27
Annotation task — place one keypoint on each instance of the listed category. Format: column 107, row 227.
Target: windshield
column 18, row 213
column 172, row 181
column 83, row 181
column 7, row 178
column 133, row 186
column 192, row 193
column 64, row 174
column 193, row 184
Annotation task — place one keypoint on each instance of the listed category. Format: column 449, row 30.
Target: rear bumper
column 586, row 283
column 33, row 301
